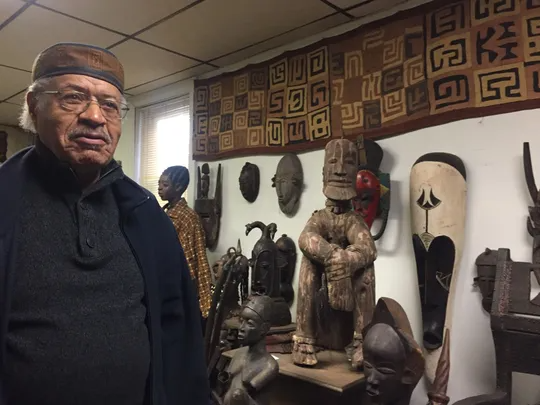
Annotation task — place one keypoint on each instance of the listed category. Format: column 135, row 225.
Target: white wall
column 491, row 148
column 17, row 139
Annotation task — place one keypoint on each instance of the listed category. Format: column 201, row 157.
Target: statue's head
column 255, row 319
column 205, row 179
column 486, row 268
column 393, row 361
column 289, row 183
column 339, row 170
column 249, row 181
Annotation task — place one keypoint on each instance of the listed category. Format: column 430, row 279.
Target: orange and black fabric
column 191, row 235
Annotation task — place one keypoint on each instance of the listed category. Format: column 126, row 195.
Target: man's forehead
column 86, row 83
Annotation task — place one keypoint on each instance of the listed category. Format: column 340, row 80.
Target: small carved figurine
column 372, row 186
column 393, row 360
column 336, row 287
column 3, row 146
column 438, row 197
column 266, row 262
column 209, row 209
column 486, row 268
column 287, row 248
column 252, row 368
column 289, row 183
column 249, row 182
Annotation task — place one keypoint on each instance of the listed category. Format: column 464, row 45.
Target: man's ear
column 32, row 102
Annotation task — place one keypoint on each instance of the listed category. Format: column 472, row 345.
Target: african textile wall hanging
column 430, row 65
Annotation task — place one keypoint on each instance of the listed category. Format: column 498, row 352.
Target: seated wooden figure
column 393, row 360
column 252, row 368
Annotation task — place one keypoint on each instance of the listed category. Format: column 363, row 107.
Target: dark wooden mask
column 289, row 183
column 249, row 181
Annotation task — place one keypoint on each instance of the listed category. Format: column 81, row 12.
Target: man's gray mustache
column 101, row 134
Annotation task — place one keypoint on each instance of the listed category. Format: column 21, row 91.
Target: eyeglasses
column 78, row 102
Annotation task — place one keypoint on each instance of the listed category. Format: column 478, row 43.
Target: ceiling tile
column 19, row 98
column 13, row 81
column 9, row 114
column 165, row 81
column 374, row 7
column 143, row 62
column 295, row 35
column 216, row 27
column 47, row 28
column 8, row 8
column 127, row 16
column 351, row 3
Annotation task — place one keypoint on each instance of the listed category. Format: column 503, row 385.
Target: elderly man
column 97, row 305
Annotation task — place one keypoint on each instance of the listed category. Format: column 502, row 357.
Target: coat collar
column 14, row 174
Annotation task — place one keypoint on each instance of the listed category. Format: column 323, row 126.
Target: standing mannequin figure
column 172, row 185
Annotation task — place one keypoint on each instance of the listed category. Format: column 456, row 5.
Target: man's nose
column 93, row 114
column 373, row 380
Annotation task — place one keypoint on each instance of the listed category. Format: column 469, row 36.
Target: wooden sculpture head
column 393, row 361
column 249, row 181
column 339, row 170
column 255, row 320
column 289, row 183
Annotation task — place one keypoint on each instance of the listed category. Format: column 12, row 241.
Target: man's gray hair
column 25, row 119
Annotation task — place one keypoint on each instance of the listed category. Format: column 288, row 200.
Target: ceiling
column 160, row 42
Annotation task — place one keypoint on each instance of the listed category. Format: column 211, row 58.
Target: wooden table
column 330, row 383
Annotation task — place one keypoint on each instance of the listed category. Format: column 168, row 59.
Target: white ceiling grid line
column 159, row 42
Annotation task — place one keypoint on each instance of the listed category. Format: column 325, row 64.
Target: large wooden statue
column 252, row 368
column 336, row 281
column 209, row 209
column 438, row 193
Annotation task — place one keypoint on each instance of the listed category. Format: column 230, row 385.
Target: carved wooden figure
column 287, row 249
column 252, row 368
column 437, row 393
column 372, row 186
column 393, row 360
column 289, row 183
column 249, row 182
column 336, row 281
column 209, row 209
column 533, row 223
column 3, row 146
column 438, row 193
column 266, row 262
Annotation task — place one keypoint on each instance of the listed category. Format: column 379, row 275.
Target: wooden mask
column 339, row 170
column 389, row 344
column 3, row 146
column 372, row 186
column 289, row 183
column 438, row 194
column 209, row 210
column 287, row 249
column 249, row 182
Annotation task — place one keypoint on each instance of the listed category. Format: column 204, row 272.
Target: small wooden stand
column 330, row 383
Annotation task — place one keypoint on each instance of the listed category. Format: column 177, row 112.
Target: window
column 163, row 140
